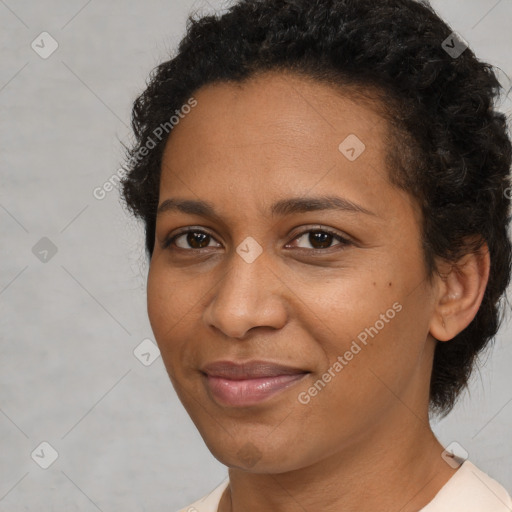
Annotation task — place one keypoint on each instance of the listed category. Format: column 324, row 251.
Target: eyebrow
column 280, row 208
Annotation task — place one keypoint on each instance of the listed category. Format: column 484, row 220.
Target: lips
column 245, row 384
column 249, row 370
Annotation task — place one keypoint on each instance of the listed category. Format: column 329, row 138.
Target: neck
column 395, row 467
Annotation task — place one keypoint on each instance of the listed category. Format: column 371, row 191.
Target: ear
column 460, row 290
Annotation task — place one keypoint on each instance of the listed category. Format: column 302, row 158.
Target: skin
column 364, row 442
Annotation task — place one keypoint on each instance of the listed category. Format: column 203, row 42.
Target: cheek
column 157, row 303
column 173, row 306
column 376, row 334
column 165, row 313
column 168, row 301
column 382, row 363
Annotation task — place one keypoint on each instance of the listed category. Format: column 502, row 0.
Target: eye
column 197, row 239
column 321, row 239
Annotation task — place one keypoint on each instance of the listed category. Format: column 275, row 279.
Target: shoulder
column 209, row 502
column 470, row 490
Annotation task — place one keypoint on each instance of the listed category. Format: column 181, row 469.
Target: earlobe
column 459, row 294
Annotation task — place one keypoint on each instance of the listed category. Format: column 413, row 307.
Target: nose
column 249, row 295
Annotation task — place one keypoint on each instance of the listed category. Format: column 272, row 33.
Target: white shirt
column 468, row 490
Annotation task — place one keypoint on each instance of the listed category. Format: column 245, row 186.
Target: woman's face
column 266, row 278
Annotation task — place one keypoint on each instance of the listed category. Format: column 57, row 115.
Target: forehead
column 278, row 108
column 280, row 133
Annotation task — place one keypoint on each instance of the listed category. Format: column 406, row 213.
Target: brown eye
column 193, row 239
column 321, row 239
column 196, row 239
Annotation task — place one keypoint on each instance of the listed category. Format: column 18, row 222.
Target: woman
column 327, row 234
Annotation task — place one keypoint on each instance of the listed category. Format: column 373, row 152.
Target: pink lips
column 245, row 384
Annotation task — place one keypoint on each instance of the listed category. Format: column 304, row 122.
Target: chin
column 253, row 456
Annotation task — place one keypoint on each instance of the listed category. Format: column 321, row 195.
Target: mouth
column 244, row 384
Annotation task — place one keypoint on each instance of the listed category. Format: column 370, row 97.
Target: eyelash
column 343, row 241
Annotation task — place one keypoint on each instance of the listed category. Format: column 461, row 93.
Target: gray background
column 70, row 324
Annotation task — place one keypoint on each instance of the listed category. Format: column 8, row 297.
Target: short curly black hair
column 450, row 147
